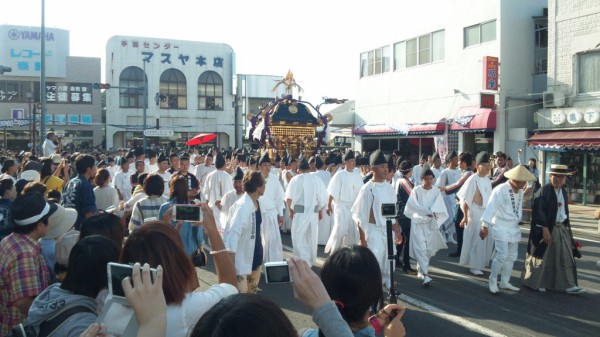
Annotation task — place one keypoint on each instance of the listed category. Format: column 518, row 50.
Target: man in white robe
column 218, row 182
column 326, row 220
column 474, row 197
column 436, row 166
column 428, row 212
column 366, row 211
column 343, row 190
column 271, row 208
column 448, row 177
column 417, row 169
column 201, row 171
column 306, row 197
column 503, row 212
column 163, row 166
column 232, row 197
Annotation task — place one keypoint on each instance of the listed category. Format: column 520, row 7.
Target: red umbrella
column 201, row 138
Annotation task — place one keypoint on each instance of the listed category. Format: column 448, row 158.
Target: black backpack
column 48, row 327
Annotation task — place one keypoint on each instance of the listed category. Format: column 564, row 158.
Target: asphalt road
column 459, row 304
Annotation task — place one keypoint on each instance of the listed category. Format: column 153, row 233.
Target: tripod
column 392, row 294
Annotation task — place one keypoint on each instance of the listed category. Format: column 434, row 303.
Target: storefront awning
column 566, row 140
column 380, row 130
column 474, row 119
column 428, row 128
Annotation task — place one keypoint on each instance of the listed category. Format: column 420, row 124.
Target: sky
column 320, row 41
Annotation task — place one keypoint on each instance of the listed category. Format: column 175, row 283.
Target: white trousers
column 271, row 238
column 304, row 236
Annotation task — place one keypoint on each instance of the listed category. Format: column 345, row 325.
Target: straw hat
column 520, row 173
column 557, row 169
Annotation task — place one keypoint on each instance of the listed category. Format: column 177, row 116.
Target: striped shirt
column 144, row 209
column 23, row 273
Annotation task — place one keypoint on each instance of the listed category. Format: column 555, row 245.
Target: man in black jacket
column 551, row 252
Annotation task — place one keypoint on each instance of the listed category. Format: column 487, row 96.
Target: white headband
column 35, row 218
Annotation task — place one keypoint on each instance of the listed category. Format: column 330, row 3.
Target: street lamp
column 145, row 103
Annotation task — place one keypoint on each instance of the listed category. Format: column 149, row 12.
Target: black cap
column 161, row 158
column 219, row 161
column 348, row 155
column 30, row 208
column 318, row 162
column 377, row 158
column 277, row 157
column 239, row 174
column 424, row 156
column 435, row 156
column 264, row 158
column 138, row 151
column 291, row 160
column 426, row 172
column 303, row 164
column 451, row 155
column 311, row 160
column 405, row 166
column 482, row 158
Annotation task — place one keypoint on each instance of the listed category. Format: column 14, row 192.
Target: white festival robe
column 326, row 221
column 476, row 253
column 227, row 202
column 427, row 211
column 370, row 197
column 504, row 214
column 217, row 183
column 287, row 221
column 306, row 190
column 201, row 172
column 448, row 177
column 344, row 188
column 271, row 206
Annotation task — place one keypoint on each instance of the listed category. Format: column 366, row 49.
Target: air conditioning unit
column 553, row 99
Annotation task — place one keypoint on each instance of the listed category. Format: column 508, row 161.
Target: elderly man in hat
column 218, row 182
column 550, row 262
column 271, row 208
column 503, row 213
column 474, row 196
column 306, row 197
column 23, row 270
column 366, row 211
column 343, row 190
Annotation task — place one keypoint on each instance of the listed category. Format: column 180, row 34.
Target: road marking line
column 482, row 282
column 575, row 237
column 452, row 318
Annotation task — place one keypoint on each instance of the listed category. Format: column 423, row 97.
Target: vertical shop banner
column 490, row 73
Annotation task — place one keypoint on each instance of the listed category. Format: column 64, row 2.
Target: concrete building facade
column 568, row 126
column 422, row 91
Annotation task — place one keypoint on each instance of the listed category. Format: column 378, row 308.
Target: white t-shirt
column 181, row 318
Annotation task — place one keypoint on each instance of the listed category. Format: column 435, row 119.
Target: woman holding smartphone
column 190, row 233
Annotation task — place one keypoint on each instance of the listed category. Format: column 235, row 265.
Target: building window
column 589, row 72
column 132, row 78
column 173, row 85
column 541, row 46
column 480, row 33
column 375, row 62
column 420, row 50
column 210, row 91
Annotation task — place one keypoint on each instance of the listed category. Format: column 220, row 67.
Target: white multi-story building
column 569, row 125
column 190, row 90
column 421, row 91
